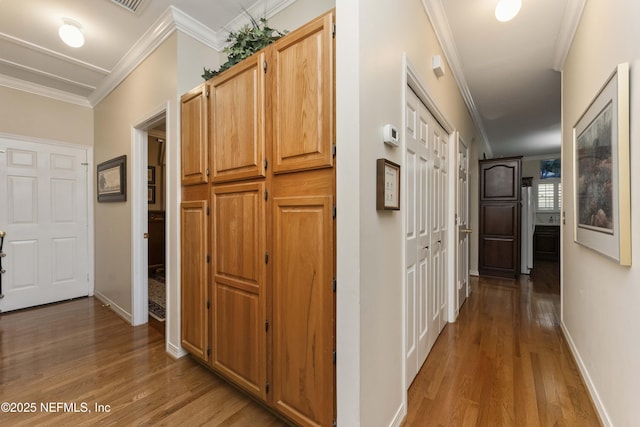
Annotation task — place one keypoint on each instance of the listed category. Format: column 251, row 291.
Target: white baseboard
column 400, row 416
column 474, row 273
column 175, row 352
column 113, row 306
column 595, row 397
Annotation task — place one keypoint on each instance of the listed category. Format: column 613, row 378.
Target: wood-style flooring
column 503, row 363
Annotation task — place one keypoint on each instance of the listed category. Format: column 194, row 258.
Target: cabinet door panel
column 302, row 97
column 237, row 121
column 303, row 309
column 500, row 180
column 193, row 246
column 193, row 140
column 239, row 238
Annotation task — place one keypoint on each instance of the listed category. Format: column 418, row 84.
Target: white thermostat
column 390, row 135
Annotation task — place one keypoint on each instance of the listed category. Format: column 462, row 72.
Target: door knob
column 2, row 234
column 466, row 230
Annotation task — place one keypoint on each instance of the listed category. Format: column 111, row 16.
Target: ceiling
column 505, row 70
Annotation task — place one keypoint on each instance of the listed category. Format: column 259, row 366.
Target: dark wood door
column 499, row 240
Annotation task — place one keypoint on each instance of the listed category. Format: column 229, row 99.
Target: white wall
column 371, row 390
column 599, row 298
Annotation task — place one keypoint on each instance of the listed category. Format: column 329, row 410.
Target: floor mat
column 157, row 299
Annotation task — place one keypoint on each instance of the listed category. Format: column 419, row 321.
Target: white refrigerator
column 526, row 230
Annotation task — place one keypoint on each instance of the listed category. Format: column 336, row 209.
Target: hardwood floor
column 505, row 362
column 80, row 352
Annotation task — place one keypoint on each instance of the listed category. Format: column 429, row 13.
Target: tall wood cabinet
column 261, row 222
column 499, row 240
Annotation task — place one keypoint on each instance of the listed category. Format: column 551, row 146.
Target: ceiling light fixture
column 506, row 10
column 70, row 33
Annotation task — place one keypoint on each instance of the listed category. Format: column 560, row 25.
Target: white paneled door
column 425, row 249
column 462, row 216
column 43, row 211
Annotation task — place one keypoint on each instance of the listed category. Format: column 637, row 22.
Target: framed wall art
column 387, row 185
column 601, row 182
column 151, row 194
column 151, row 175
column 112, row 180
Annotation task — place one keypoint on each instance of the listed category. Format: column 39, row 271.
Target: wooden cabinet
column 193, row 295
column 238, row 121
column 302, row 98
column 546, row 243
column 499, row 240
column 239, row 284
column 156, row 242
column 193, row 128
column 303, row 297
column 271, row 325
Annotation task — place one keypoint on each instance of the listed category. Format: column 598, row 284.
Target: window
column 549, row 195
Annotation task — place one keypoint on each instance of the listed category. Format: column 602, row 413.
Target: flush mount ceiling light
column 70, row 33
column 506, row 10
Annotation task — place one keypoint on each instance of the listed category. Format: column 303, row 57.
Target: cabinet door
column 499, row 242
column 237, row 121
column 239, row 236
column 303, row 309
column 500, row 180
column 193, row 139
column 193, row 295
column 302, row 97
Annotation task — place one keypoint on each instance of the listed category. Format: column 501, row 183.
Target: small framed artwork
column 151, row 175
column 111, row 178
column 601, row 181
column 151, row 195
column 550, row 168
column 387, row 185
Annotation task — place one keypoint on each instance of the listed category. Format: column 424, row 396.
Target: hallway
column 505, row 361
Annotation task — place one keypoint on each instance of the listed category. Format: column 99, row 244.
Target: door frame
column 456, row 295
column 139, row 218
column 412, row 79
column 90, row 195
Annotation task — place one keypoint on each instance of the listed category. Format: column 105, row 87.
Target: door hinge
column 335, row 284
column 266, row 387
column 333, row 30
column 84, row 164
column 264, row 66
column 207, row 172
column 265, row 163
column 206, row 93
column 208, row 211
column 335, row 357
column 208, row 351
column 334, row 150
column 335, row 211
column 335, row 424
column 266, row 326
column 266, row 257
column 208, row 304
column 208, row 258
column 266, row 194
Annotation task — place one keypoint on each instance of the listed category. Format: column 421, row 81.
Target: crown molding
column 196, row 29
column 438, row 17
column 568, row 28
column 45, row 91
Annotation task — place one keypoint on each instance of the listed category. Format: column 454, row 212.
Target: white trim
column 597, row 401
column 401, row 413
column 46, row 74
column 52, row 53
column 438, row 17
column 568, row 28
column 196, row 29
column 139, row 210
column 452, row 239
column 41, row 90
column 175, row 352
column 157, row 33
column 475, row 273
column 106, row 302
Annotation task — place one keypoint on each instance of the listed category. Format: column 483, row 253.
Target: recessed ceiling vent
column 131, row 5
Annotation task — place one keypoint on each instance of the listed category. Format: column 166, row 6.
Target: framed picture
column 151, row 175
column 601, row 181
column 387, row 185
column 550, row 168
column 151, row 195
column 112, row 180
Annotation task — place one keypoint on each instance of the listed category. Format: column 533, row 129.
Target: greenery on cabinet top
column 245, row 42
